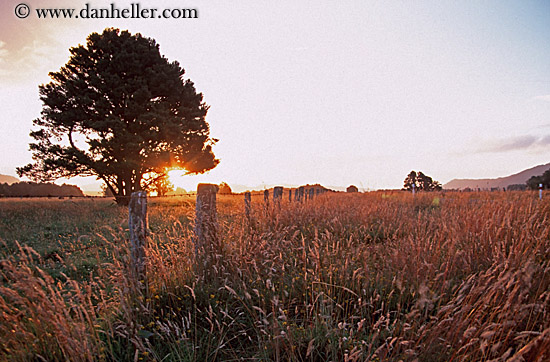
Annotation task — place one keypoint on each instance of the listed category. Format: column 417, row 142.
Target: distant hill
column 6, row 179
column 500, row 182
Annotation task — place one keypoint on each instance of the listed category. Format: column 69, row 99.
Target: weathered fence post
column 247, row 200
column 277, row 194
column 289, row 195
column 137, row 223
column 266, row 198
column 206, row 219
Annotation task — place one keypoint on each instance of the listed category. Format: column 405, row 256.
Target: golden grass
column 377, row 276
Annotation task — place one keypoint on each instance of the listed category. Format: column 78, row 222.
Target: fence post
column 247, row 200
column 301, row 192
column 206, row 219
column 266, row 198
column 137, row 224
column 277, row 193
column 289, row 195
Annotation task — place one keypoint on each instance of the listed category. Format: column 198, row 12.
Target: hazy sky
column 351, row 92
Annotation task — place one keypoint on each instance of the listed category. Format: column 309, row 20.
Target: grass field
column 345, row 277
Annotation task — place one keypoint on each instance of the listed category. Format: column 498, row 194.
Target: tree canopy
column 224, row 189
column 421, row 182
column 352, row 188
column 119, row 110
column 544, row 179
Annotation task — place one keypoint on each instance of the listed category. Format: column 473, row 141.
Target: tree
column 161, row 185
column 224, row 189
column 119, row 110
column 352, row 188
column 544, row 179
column 421, row 182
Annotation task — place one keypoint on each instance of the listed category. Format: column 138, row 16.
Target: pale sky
column 338, row 93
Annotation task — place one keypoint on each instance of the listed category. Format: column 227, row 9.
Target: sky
column 338, row 93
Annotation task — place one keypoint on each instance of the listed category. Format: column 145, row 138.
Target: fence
column 206, row 237
column 206, row 224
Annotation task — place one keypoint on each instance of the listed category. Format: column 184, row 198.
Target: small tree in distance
column 352, row 188
column 544, row 179
column 421, row 182
column 224, row 189
column 119, row 111
column 161, row 185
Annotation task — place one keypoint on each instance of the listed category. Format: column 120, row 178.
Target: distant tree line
column 38, row 189
column 516, row 187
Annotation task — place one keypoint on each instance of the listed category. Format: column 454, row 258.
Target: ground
column 376, row 276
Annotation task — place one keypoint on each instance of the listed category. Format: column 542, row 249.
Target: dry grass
column 378, row 276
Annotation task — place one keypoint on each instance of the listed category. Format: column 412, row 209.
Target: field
column 344, row 277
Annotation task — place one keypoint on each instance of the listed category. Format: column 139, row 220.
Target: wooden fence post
column 289, row 195
column 277, row 193
column 247, row 200
column 266, row 198
column 137, row 223
column 206, row 218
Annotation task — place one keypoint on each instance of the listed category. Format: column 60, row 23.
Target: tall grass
column 377, row 276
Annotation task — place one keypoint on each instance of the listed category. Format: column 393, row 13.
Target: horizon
column 90, row 189
column 353, row 94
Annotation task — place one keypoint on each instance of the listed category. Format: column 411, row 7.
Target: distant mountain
column 6, row 179
column 501, row 182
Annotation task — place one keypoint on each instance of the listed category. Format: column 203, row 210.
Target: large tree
column 119, row 110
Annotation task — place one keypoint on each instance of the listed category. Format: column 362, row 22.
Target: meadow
column 380, row 276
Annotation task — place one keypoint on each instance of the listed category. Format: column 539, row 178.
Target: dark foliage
column 120, row 111
column 33, row 189
column 352, row 188
column 421, row 182
column 544, row 179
